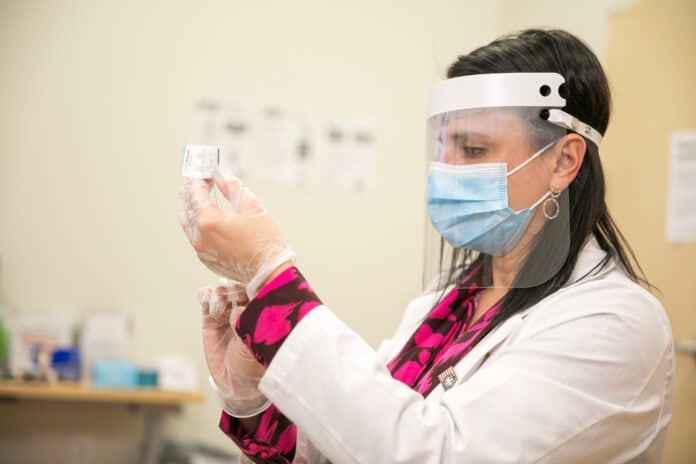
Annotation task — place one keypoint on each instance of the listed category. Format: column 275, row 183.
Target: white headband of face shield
column 507, row 90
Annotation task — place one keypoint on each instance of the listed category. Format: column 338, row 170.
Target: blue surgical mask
column 468, row 206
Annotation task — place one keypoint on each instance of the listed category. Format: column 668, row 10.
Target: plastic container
column 114, row 374
column 147, row 378
column 66, row 363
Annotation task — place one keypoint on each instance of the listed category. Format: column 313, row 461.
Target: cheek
column 526, row 187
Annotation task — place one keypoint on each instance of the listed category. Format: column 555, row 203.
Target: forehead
column 491, row 122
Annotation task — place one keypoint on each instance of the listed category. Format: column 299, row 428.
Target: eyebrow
column 466, row 135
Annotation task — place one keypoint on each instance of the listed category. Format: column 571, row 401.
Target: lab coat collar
column 589, row 262
column 587, row 266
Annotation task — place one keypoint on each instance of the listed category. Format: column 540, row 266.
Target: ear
column 568, row 161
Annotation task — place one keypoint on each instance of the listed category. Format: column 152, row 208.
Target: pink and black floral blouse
column 445, row 336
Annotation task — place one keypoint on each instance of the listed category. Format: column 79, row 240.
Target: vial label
column 199, row 161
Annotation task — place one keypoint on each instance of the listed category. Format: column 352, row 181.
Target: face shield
column 492, row 147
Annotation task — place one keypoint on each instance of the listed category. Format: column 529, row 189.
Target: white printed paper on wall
column 227, row 127
column 350, row 146
column 234, row 138
column 285, row 148
column 681, row 194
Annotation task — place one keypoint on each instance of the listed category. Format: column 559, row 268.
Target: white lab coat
column 585, row 376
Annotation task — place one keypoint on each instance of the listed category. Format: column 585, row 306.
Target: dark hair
column 588, row 98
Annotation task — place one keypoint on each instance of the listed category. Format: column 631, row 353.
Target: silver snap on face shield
column 491, row 144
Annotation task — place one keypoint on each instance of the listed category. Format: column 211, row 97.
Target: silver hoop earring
column 552, row 204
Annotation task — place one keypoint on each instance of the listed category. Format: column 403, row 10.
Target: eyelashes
column 472, row 152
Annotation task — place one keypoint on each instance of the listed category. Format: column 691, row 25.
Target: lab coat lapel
column 588, row 261
column 479, row 353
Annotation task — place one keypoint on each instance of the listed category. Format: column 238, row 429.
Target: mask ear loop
column 531, row 158
column 553, row 192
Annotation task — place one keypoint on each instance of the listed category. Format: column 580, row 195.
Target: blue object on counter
column 66, row 363
column 147, row 378
column 114, row 374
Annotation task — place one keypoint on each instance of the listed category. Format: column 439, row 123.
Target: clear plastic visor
column 494, row 217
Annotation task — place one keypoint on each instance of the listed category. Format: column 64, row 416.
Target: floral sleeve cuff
column 273, row 440
column 277, row 309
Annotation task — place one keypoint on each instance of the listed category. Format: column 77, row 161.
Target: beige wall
column 95, row 100
column 587, row 19
column 652, row 67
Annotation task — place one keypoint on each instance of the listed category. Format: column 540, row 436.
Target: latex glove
column 234, row 372
column 243, row 245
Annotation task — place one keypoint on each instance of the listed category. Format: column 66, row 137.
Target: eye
column 470, row 151
column 465, row 147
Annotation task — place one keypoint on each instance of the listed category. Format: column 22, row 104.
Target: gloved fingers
column 217, row 336
column 232, row 294
column 218, row 304
column 190, row 227
column 241, row 198
column 203, row 296
column 213, row 307
column 229, row 185
column 233, row 245
column 227, row 299
column 243, row 369
column 184, row 189
column 237, row 292
column 242, row 298
column 234, row 315
column 197, row 195
column 233, row 290
column 200, row 221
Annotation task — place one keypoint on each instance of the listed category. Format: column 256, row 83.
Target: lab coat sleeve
column 577, row 387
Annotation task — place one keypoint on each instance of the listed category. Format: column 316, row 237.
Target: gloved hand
column 234, row 372
column 243, row 245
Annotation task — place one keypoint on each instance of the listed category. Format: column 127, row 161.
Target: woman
column 536, row 345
